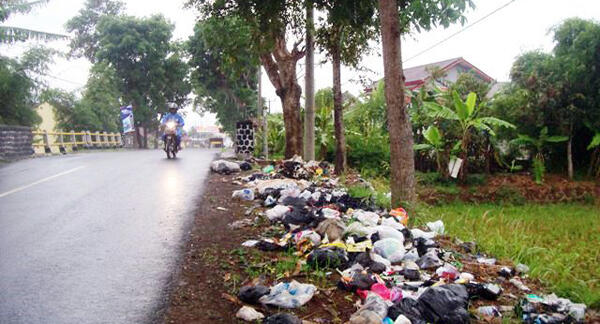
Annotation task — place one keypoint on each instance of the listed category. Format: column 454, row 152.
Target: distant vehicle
column 216, row 142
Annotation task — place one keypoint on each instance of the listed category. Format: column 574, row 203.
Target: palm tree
column 11, row 34
column 465, row 113
column 538, row 144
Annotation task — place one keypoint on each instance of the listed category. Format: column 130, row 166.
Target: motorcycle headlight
column 171, row 125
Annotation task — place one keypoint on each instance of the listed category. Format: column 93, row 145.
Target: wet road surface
column 94, row 237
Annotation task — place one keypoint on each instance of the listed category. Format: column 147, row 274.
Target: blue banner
column 127, row 119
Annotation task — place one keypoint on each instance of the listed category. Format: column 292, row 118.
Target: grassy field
column 559, row 242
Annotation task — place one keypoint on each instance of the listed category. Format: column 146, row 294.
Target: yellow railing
column 76, row 140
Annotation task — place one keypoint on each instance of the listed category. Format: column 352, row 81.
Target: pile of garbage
column 401, row 274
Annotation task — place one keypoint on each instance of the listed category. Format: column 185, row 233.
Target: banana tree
column 323, row 121
column 595, row 161
column 435, row 143
column 465, row 113
column 539, row 166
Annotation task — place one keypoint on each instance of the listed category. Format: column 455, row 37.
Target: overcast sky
column 491, row 45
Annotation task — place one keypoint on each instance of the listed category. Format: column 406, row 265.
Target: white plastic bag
column 330, row 213
column 289, row 294
column 249, row 314
column 416, row 233
column 391, row 222
column 289, row 192
column 389, row 232
column 359, row 229
column 365, row 217
column 390, row 248
column 223, row 166
column 244, row 194
column 437, row 226
column 277, row 212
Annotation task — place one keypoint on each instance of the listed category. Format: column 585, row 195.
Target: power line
column 64, row 80
column 458, row 32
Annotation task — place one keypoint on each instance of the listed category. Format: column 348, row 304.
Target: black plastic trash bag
column 359, row 281
column 282, row 318
column 251, row 294
column 445, row 304
column 429, row 260
column 487, row 291
column 245, row 166
column 408, row 307
column 423, row 245
column 327, row 258
column 269, row 246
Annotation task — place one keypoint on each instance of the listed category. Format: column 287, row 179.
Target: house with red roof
column 416, row 77
column 448, row 72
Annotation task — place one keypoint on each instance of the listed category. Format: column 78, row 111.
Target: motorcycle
column 171, row 139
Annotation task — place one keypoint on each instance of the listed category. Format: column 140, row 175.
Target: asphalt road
column 94, row 237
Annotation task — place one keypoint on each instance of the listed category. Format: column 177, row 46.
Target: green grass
column 559, row 242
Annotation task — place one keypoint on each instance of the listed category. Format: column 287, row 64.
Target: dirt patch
column 215, row 266
column 516, row 189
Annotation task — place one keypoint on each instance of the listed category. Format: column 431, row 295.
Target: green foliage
column 323, row 122
column 275, row 137
column 86, row 40
column 367, row 136
column 558, row 90
column 595, row 142
column 469, row 82
column 224, row 69
column 560, row 249
column 464, row 114
column 16, row 87
column 360, row 191
column 101, row 96
column 348, row 28
column 539, row 169
column 20, row 85
column 538, row 144
column 148, row 66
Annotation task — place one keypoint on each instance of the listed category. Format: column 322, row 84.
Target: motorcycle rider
column 172, row 115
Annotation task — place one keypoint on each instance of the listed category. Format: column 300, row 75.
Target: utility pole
column 309, row 86
column 262, row 116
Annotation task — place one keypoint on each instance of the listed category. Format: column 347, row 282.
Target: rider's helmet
column 172, row 107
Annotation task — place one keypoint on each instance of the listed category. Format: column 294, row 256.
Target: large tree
column 344, row 37
column 146, row 64
column 21, row 83
column 85, row 40
column 558, row 90
column 272, row 24
column 224, row 69
column 398, row 17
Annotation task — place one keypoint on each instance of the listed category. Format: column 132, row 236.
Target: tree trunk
column 156, row 137
column 464, row 155
column 338, row 108
column 145, row 137
column 280, row 65
column 309, row 88
column 570, row 157
column 402, row 162
column 138, row 137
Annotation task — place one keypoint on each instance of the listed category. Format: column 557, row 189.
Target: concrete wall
column 15, row 142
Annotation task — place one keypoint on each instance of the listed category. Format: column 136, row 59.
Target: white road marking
column 40, row 181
